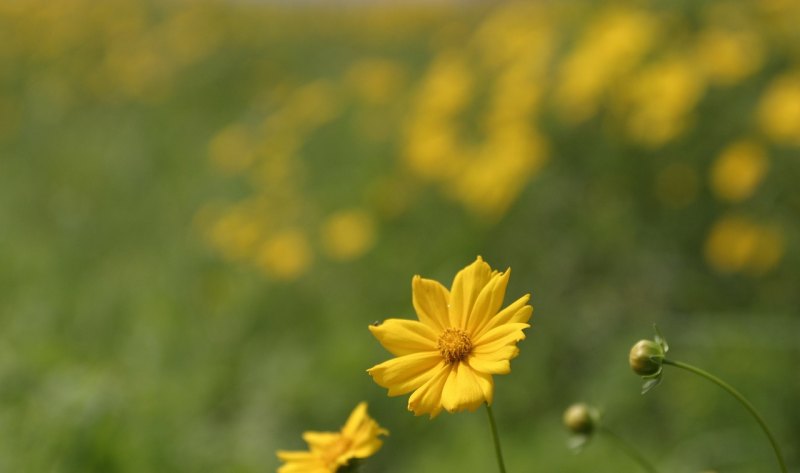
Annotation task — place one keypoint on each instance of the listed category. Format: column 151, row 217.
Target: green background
column 130, row 342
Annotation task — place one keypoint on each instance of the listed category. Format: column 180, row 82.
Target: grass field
column 203, row 205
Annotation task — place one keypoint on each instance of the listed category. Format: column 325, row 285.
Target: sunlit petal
column 499, row 337
column 462, row 391
column 492, row 353
column 485, row 382
column 466, row 287
column 356, row 420
column 402, row 337
column 406, row 373
column 428, row 398
column 321, row 440
column 430, row 301
column 488, row 302
column 516, row 312
column 489, row 366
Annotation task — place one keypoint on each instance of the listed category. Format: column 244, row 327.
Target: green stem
column 496, row 438
column 739, row 397
column 629, row 450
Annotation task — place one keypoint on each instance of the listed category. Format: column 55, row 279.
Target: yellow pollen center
column 454, row 344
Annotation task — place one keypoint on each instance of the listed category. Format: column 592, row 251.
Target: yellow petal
column 321, row 440
column 314, row 465
column 462, row 391
column 488, row 365
column 366, row 441
column 406, row 373
column 366, row 447
column 508, row 352
column 361, row 431
column 499, row 337
column 467, row 284
column 485, row 382
column 517, row 311
column 356, row 420
column 292, row 456
column 403, row 337
column 488, row 302
column 428, row 398
column 430, row 301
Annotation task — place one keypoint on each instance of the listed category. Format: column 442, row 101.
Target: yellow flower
column 462, row 338
column 331, row 450
column 738, row 171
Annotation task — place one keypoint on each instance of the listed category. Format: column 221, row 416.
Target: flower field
column 225, row 225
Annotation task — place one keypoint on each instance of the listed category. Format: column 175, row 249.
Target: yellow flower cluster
column 273, row 228
column 612, row 44
column 470, row 113
column 110, row 51
column 472, row 120
column 509, row 53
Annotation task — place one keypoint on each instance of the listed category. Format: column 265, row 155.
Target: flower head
column 645, row 358
column 462, row 338
column 330, row 451
column 581, row 419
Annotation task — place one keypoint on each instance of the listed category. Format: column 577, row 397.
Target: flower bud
column 580, row 419
column 645, row 358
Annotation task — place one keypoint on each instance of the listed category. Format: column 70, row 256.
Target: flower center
column 454, row 344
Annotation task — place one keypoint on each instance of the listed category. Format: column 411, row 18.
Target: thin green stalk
column 629, row 450
column 496, row 438
column 739, row 397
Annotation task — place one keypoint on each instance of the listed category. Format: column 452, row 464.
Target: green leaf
column 650, row 384
column 660, row 339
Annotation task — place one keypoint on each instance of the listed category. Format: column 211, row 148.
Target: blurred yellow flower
column 511, row 155
column 328, row 451
column 661, row 98
column 286, row 255
column 738, row 171
column 779, row 109
column 348, row 234
column 235, row 233
column 727, row 55
column 432, row 147
column 736, row 244
column 462, row 338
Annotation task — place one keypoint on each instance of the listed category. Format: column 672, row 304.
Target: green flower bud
column 645, row 358
column 580, row 419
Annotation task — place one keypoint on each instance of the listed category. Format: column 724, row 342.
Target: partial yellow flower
column 462, row 338
column 329, row 451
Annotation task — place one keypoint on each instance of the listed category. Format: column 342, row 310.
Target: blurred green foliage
column 203, row 205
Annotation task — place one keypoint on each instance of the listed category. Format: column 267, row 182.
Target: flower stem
column 739, row 397
column 496, row 438
column 629, row 450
